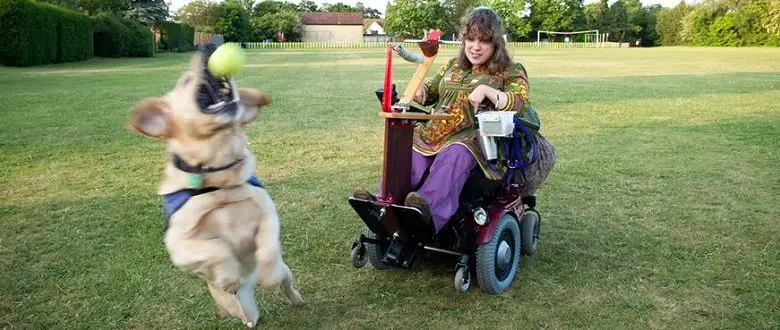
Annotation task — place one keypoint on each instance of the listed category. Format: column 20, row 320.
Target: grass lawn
column 662, row 212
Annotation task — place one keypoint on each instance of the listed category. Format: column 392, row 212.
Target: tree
column 723, row 32
column 751, row 19
column 372, row 13
column 511, row 15
column 636, row 19
column 411, row 18
column 202, row 14
column 556, row 15
column 368, row 12
column 670, row 24
column 603, row 16
column 111, row 7
column 455, row 11
column 69, row 4
column 696, row 25
column 307, row 6
column 248, row 5
column 618, row 21
column 272, row 6
column 647, row 20
column 148, row 11
column 281, row 26
column 234, row 22
column 772, row 26
column 278, row 20
column 340, row 7
column 593, row 16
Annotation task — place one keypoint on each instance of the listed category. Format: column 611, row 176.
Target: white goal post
column 590, row 38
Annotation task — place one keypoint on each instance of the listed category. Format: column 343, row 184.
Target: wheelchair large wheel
column 499, row 259
column 376, row 251
column 530, row 229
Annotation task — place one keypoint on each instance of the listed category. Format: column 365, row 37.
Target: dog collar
column 196, row 172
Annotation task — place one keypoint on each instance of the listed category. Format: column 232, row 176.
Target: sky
column 381, row 4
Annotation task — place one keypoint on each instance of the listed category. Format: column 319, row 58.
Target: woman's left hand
column 479, row 94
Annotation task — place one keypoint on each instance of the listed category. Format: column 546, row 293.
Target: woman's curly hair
column 483, row 24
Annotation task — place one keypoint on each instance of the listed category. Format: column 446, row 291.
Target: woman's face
column 478, row 52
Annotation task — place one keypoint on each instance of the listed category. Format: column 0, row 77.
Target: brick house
column 318, row 27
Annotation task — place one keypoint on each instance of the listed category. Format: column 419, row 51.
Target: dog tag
column 196, row 180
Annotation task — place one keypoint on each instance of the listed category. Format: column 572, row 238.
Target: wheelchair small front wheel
column 530, row 232
column 376, row 251
column 462, row 279
column 359, row 255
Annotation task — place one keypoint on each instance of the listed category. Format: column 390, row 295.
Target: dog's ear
column 151, row 118
column 252, row 100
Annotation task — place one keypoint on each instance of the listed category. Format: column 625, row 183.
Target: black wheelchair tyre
column 375, row 251
column 498, row 260
column 530, row 232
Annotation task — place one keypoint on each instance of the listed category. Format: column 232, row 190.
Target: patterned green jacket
column 447, row 92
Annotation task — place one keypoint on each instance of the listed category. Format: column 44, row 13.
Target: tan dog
column 228, row 231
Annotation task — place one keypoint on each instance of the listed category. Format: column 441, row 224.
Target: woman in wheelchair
column 482, row 74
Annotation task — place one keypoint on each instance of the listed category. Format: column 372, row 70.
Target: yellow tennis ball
column 226, row 60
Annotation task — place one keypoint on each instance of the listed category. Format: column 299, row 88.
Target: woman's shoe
column 362, row 193
column 416, row 200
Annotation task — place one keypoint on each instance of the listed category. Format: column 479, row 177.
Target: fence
column 203, row 37
column 375, row 45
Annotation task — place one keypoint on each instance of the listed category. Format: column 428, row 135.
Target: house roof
column 314, row 18
column 368, row 21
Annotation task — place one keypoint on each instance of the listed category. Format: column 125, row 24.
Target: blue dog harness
column 174, row 201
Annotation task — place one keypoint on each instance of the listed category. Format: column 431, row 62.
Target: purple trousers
column 448, row 171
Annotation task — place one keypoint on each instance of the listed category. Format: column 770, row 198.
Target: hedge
column 139, row 43
column 36, row 33
column 74, row 35
column 176, row 37
column 120, row 37
column 108, row 36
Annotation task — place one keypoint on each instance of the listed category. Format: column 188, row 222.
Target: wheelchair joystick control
column 493, row 125
column 489, row 147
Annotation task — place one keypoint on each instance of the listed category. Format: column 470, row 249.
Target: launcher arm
column 429, row 48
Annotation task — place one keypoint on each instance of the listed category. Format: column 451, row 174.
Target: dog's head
column 202, row 118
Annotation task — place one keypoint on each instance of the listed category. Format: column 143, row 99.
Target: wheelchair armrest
column 417, row 107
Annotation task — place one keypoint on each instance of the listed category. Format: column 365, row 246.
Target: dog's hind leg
column 287, row 287
column 278, row 274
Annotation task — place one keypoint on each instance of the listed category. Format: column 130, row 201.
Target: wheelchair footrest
column 411, row 220
column 371, row 214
